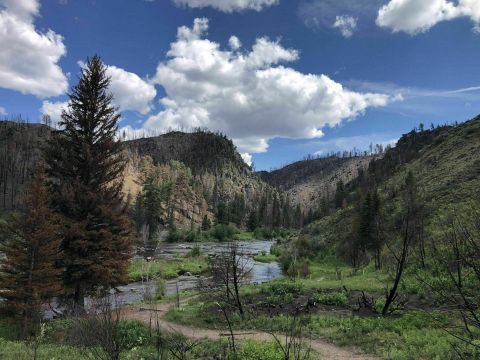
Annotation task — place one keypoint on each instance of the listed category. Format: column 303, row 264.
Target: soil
column 153, row 315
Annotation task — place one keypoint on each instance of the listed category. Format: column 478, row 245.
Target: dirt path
column 326, row 350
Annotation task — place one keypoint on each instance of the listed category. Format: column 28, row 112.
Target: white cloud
column 248, row 95
column 247, row 158
column 130, row 91
column 417, row 16
column 346, row 24
column 54, row 110
column 228, row 5
column 29, row 58
column 234, row 43
column 3, row 111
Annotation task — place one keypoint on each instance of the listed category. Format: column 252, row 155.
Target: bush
column 301, row 268
column 160, row 289
column 334, row 298
column 133, row 333
column 224, row 232
column 195, row 252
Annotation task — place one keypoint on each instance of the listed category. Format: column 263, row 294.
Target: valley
column 172, row 247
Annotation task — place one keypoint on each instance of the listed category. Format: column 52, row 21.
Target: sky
column 282, row 78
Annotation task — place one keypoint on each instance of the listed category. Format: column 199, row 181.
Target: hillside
column 20, row 144
column 201, row 151
column 307, row 182
column 446, row 164
column 203, row 170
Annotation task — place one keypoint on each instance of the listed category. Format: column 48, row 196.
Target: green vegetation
column 167, row 269
column 265, row 258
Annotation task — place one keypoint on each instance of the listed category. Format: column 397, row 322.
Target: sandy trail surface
column 148, row 315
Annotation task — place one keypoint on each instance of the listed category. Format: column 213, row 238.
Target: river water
column 260, row 272
column 135, row 292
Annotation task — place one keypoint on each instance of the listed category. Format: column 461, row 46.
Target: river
column 260, row 272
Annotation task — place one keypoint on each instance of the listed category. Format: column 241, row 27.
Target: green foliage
column 224, row 232
column 265, row 258
column 10, row 350
column 133, row 333
column 9, row 329
column 333, row 298
column 167, row 269
column 194, row 252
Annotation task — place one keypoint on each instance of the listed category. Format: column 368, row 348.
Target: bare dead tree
column 409, row 232
column 230, row 270
column 96, row 332
column 459, row 256
column 179, row 346
column 294, row 343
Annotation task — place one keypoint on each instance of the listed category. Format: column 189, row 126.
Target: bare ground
column 326, row 350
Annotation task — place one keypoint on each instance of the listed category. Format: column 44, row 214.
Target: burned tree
column 30, row 241
column 230, row 270
column 409, row 232
column 458, row 258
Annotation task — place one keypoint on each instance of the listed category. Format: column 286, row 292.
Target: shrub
column 334, row 298
column 223, row 232
column 132, row 333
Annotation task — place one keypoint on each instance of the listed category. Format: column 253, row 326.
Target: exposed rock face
column 308, row 181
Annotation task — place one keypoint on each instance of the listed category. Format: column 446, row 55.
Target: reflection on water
column 260, row 272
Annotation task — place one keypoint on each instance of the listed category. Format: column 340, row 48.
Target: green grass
column 167, row 269
column 16, row 350
column 265, row 258
column 245, row 236
column 414, row 335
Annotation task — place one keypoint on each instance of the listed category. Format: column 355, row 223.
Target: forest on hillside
column 114, row 249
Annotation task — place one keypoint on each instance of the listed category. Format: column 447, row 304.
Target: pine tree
column 30, row 241
column 85, row 162
column 340, row 195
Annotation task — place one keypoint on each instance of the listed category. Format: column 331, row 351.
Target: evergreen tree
column 30, row 242
column 206, row 223
column 222, row 213
column 252, row 222
column 85, row 162
column 340, row 195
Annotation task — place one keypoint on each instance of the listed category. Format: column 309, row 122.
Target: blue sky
column 283, row 78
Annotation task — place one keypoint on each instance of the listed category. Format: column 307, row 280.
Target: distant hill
column 204, row 168
column 446, row 164
column 201, row 151
column 307, row 182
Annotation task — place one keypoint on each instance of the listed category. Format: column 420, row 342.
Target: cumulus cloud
column 3, row 111
column 417, row 16
column 29, row 58
column 130, row 91
column 228, row 6
column 346, row 24
column 322, row 14
column 249, row 95
column 54, row 110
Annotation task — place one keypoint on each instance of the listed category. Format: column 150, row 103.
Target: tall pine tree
column 85, row 162
column 30, row 241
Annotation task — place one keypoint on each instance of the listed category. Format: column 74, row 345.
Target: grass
column 16, row 350
column 167, row 269
column 414, row 335
column 265, row 258
column 245, row 236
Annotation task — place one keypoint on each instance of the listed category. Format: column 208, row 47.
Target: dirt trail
column 326, row 350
